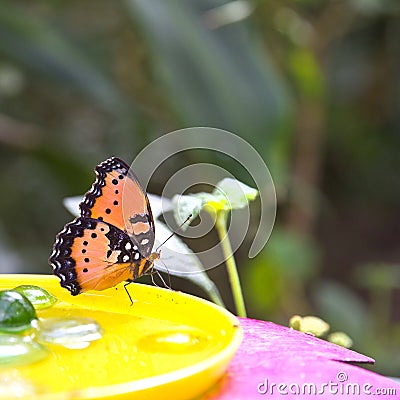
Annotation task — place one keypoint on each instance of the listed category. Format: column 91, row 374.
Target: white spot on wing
column 144, row 241
column 136, row 256
column 125, row 258
column 128, row 246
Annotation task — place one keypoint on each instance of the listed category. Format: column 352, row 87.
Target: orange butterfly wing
column 93, row 255
column 118, row 198
column 112, row 240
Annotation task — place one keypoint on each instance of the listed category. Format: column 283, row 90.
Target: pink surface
column 275, row 362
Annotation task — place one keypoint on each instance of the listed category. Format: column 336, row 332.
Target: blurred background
column 313, row 85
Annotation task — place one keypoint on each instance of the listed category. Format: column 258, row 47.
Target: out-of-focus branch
column 310, row 123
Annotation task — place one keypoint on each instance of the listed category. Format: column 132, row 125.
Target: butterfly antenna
column 174, row 232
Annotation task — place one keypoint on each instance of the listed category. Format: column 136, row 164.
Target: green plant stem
column 220, row 224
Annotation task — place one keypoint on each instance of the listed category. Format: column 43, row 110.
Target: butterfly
column 112, row 239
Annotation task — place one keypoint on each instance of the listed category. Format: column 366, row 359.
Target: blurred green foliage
column 313, row 85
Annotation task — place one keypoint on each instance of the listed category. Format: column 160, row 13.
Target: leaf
column 237, row 193
column 229, row 194
column 159, row 205
column 343, row 309
column 179, row 260
column 378, row 276
column 72, row 205
column 185, row 205
column 215, row 77
column 45, row 49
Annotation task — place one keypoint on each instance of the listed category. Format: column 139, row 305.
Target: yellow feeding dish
column 166, row 345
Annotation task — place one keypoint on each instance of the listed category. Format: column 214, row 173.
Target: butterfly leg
column 169, row 277
column 169, row 280
column 161, row 278
column 152, row 279
column 126, row 290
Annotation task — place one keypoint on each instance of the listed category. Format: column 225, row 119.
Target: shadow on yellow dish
column 166, row 345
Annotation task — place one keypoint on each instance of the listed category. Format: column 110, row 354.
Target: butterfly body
column 112, row 240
